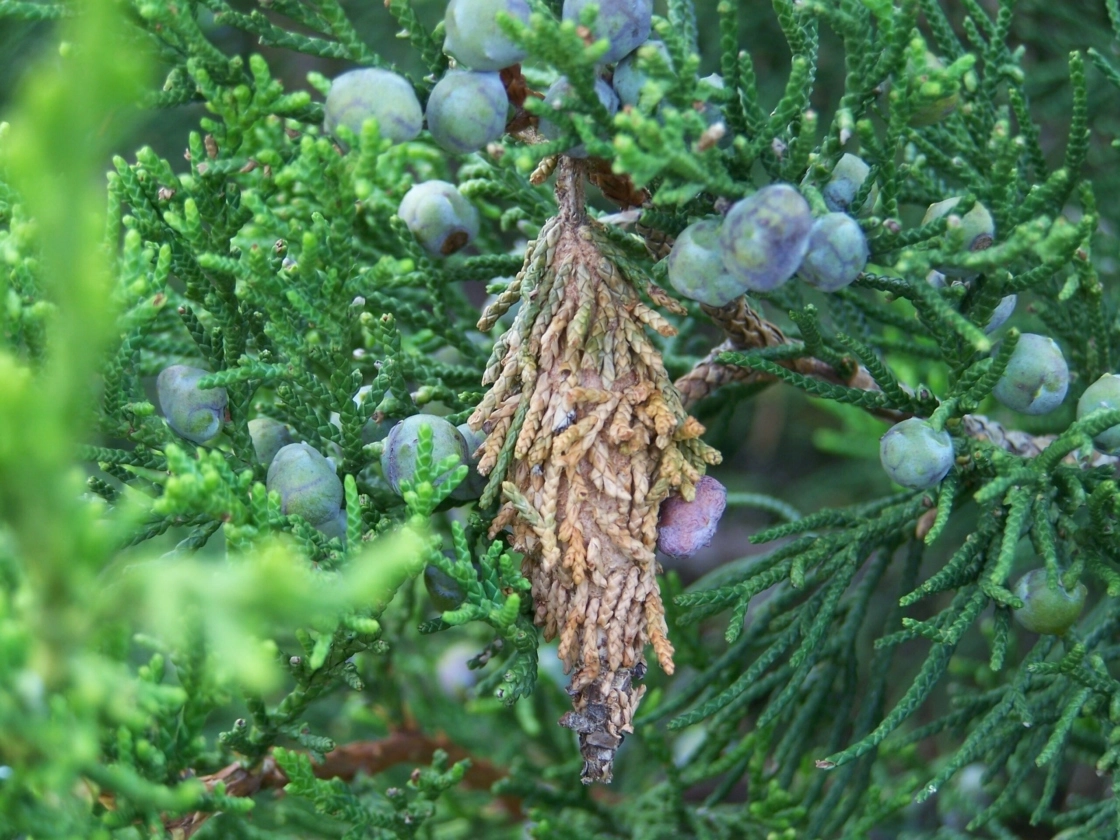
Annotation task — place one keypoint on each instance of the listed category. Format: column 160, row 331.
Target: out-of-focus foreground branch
column 345, row 762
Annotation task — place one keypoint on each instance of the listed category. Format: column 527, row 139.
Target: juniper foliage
column 175, row 649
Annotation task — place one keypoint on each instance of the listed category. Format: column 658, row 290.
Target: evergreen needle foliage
column 179, row 645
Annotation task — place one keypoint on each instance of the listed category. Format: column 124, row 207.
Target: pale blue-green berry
column 473, row 37
column 765, row 237
column 845, row 182
column 624, row 23
column 466, row 110
column 695, row 266
column 837, row 252
column 365, row 392
column 629, row 79
column 269, row 437
column 933, row 100
column 472, row 438
column 306, row 482
column 193, row 413
column 444, row 591
column 1104, row 393
column 474, row 483
column 979, row 229
column 383, row 95
column 560, row 95
column 375, row 430
column 372, row 431
column 1004, row 309
column 714, row 80
column 550, row 665
column 914, row 455
column 398, row 457
column 453, row 673
column 439, row 217
column 1036, row 378
column 335, row 527
column 1000, row 315
column 712, row 112
column 1045, row 610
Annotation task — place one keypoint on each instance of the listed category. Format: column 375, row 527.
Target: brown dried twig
column 344, row 762
column 745, row 329
column 518, row 90
column 1026, row 445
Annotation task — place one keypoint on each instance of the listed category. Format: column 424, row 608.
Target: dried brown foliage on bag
column 586, row 436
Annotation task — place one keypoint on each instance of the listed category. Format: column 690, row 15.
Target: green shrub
column 178, row 649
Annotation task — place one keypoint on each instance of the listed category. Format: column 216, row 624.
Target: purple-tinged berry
column 845, row 183
column 624, row 23
column 914, row 455
column 439, row 217
column 193, row 413
column 765, row 237
column 474, row 38
column 1103, row 394
column 306, row 482
column 445, row 592
column 560, row 96
column 629, row 79
column 1036, row 378
column 269, row 437
column 683, row 527
column 467, row 110
column 474, row 483
column 1045, row 610
column 695, row 266
column 1000, row 315
column 837, row 253
column 357, row 96
column 398, row 458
